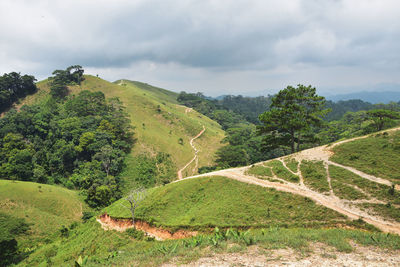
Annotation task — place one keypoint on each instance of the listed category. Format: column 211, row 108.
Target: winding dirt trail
column 195, row 153
column 343, row 206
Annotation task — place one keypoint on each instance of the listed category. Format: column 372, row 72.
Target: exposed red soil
column 109, row 223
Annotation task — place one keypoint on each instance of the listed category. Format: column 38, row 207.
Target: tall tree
column 380, row 117
column 292, row 115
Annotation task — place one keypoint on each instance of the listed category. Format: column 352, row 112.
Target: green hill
column 45, row 207
column 159, row 122
column 219, row 201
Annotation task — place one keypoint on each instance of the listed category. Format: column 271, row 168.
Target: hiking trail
column 195, row 154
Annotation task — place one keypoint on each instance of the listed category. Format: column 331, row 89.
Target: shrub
column 137, row 234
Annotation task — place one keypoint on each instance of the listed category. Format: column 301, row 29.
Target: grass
column 314, row 175
column 279, row 170
column 45, row 207
column 291, row 163
column 218, row 201
column 113, row 248
column 377, row 155
column 388, row 211
column 342, row 186
column 260, row 171
column 342, row 178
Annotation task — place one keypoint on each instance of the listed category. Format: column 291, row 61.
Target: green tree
column 232, row 156
column 294, row 112
column 382, row 117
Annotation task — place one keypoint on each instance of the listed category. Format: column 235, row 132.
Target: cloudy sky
column 213, row 46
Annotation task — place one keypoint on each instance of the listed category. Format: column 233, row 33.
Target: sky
column 212, row 46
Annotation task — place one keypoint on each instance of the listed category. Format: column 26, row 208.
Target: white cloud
column 217, row 47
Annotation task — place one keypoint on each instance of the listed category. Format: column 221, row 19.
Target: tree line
column 296, row 118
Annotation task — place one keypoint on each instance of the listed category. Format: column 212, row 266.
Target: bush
column 86, row 215
column 137, row 234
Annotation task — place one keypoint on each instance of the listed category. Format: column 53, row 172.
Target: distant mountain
column 373, row 97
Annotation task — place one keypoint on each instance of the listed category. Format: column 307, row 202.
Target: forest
column 78, row 141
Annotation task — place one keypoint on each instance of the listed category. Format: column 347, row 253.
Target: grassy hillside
column 219, row 201
column 158, row 120
column 45, row 207
column 378, row 155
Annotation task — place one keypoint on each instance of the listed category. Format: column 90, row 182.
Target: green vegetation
column 236, row 116
column 314, row 175
column 101, row 247
column 362, row 121
column 293, row 115
column 14, row 87
column 279, row 170
column 346, row 182
column 342, row 184
column 260, row 171
column 63, row 78
column 219, row 201
column 387, row 211
column 10, row 228
column 158, row 121
column 44, row 208
column 382, row 117
column 147, row 171
column 79, row 143
column 377, row 155
column 165, row 123
column 291, row 163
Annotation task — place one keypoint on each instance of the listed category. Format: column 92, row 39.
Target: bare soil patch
column 109, row 223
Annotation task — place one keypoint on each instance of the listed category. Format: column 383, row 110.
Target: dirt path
column 320, row 255
column 195, row 153
column 343, row 206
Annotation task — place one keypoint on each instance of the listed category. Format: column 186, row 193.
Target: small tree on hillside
column 134, row 198
column 293, row 114
column 382, row 117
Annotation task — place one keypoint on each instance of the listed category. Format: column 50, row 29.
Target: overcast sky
column 216, row 47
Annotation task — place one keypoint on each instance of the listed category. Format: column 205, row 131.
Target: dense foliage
column 248, row 107
column 14, row 86
column 62, row 78
column 340, row 108
column 292, row 118
column 80, row 143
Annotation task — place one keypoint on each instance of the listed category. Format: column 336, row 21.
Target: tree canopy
column 381, row 117
column 80, row 143
column 14, row 86
column 293, row 113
